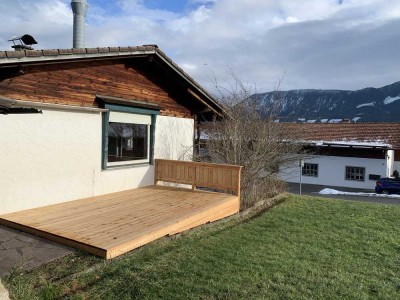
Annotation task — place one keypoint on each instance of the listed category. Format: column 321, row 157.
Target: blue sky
column 322, row 44
column 171, row 5
column 109, row 6
column 176, row 6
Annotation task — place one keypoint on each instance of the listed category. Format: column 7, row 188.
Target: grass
column 305, row 248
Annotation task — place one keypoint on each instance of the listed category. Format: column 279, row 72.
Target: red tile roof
column 351, row 133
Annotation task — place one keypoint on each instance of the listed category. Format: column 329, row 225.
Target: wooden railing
column 198, row 174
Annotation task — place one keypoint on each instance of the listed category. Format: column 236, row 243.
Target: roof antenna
column 79, row 8
column 23, row 42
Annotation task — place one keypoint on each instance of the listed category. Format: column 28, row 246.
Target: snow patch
column 335, row 120
column 311, row 121
column 356, row 119
column 324, row 120
column 327, row 191
column 365, row 104
column 389, row 100
column 376, row 143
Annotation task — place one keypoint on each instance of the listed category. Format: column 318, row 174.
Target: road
column 312, row 190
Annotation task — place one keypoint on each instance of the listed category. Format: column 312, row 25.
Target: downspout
column 389, row 162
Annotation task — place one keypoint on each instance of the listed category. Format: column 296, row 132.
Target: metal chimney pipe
column 79, row 8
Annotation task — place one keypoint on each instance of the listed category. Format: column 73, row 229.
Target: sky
column 297, row 44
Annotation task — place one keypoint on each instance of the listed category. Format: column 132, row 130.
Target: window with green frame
column 128, row 136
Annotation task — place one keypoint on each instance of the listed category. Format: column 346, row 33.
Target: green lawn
column 304, row 248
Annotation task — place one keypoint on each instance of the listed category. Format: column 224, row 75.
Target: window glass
column 128, row 138
column 127, row 142
column 355, row 173
column 374, row 177
column 310, row 170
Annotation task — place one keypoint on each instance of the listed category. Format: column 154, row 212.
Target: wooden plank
column 140, row 218
column 108, row 217
column 157, row 217
column 166, row 220
column 173, row 227
column 83, row 205
column 219, row 176
column 112, row 224
column 56, row 238
column 221, row 213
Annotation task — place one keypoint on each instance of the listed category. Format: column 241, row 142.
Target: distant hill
column 366, row 105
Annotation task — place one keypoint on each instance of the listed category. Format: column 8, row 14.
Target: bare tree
column 250, row 136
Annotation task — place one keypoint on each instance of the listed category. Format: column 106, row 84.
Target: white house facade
column 42, row 167
column 103, row 145
column 346, row 155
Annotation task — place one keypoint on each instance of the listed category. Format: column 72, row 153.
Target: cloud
column 49, row 21
column 137, row 8
column 318, row 43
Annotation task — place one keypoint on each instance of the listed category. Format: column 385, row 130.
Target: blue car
column 388, row 186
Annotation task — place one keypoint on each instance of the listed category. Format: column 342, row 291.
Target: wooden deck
column 113, row 224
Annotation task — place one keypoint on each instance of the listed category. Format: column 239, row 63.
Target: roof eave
column 56, row 56
column 192, row 82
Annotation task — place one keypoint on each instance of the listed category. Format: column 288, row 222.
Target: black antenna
column 23, row 42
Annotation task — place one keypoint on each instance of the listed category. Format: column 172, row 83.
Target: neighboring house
column 106, row 113
column 352, row 155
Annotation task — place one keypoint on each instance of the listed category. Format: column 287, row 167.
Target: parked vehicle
column 388, row 186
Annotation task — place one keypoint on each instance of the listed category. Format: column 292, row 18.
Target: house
column 76, row 123
column 109, row 128
column 89, row 138
column 353, row 155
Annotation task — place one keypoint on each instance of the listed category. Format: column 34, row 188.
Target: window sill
column 130, row 166
column 357, row 180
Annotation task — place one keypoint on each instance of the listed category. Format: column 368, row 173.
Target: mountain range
column 365, row 105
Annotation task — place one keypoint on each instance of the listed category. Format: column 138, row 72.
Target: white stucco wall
column 56, row 157
column 331, row 171
column 174, row 138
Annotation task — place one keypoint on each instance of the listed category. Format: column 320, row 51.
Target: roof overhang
column 126, row 102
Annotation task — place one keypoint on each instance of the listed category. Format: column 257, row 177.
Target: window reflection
column 127, row 142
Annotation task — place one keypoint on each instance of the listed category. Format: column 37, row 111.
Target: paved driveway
column 312, row 190
column 22, row 251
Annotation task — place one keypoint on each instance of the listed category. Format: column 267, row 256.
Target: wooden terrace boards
column 113, row 224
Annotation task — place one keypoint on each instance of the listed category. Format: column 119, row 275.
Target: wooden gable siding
column 78, row 83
